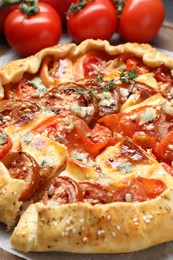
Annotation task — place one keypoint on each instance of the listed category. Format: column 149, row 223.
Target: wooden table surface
column 163, row 41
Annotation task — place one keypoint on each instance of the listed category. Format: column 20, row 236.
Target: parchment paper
column 160, row 252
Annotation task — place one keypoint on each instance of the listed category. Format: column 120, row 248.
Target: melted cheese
column 148, row 79
column 79, row 171
column 63, row 71
column 155, row 100
column 114, row 172
column 45, row 151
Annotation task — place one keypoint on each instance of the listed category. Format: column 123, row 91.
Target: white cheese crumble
column 3, row 138
column 149, row 115
column 38, row 84
column 81, row 111
column 124, row 92
column 125, row 167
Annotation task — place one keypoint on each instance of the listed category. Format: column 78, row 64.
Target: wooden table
column 163, row 41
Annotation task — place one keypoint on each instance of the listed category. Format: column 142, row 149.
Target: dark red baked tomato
column 163, row 74
column 33, row 32
column 164, row 150
column 140, row 21
column 16, row 111
column 95, row 19
column 73, row 98
column 23, row 166
column 63, row 190
column 94, row 193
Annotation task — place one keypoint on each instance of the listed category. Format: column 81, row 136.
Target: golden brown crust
column 10, row 191
column 13, row 71
column 82, row 228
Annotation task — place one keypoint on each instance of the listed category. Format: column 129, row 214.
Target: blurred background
column 169, row 10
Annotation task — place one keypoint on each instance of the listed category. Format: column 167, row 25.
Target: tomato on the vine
column 96, row 19
column 28, row 34
column 140, row 21
column 61, row 6
column 3, row 15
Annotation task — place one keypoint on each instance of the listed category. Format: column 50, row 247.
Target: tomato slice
column 5, row 143
column 143, row 140
column 98, row 139
column 92, row 65
column 23, row 166
column 16, row 111
column 168, row 168
column 111, row 122
column 138, row 189
column 95, row 193
column 163, row 74
column 64, row 128
column 63, row 190
column 106, row 92
column 28, row 88
column 149, row 120
column 75, row 99
column 134, row 63
column 164, row 150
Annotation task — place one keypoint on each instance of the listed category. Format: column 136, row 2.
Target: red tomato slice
column 159, row 125
column 163, row 74
column 164, row 150
column 111, row 122
column 23, row 166
column 63, row 190
column 99, row 138
column 138, row 189
column 5, row 144
column 72, row 98
column 144, row 141
column 66, row 129
column 90, row 64
column 168, row 168
column 95, row 193
column 134, row 63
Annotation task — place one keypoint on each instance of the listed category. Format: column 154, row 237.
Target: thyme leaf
column 128, row 76
column 105, row 86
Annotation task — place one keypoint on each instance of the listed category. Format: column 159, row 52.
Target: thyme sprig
column 105, row 86
column 128, row 76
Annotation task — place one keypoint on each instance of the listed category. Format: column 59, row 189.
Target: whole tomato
column 96, row 19
column 140, row 21
column 29, row 34
column 61, row 6
column 3, row 15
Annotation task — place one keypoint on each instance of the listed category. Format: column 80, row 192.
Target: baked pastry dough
column 97, row 121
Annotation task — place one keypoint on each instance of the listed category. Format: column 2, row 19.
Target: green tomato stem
column 29, row 7
column 6, row 3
